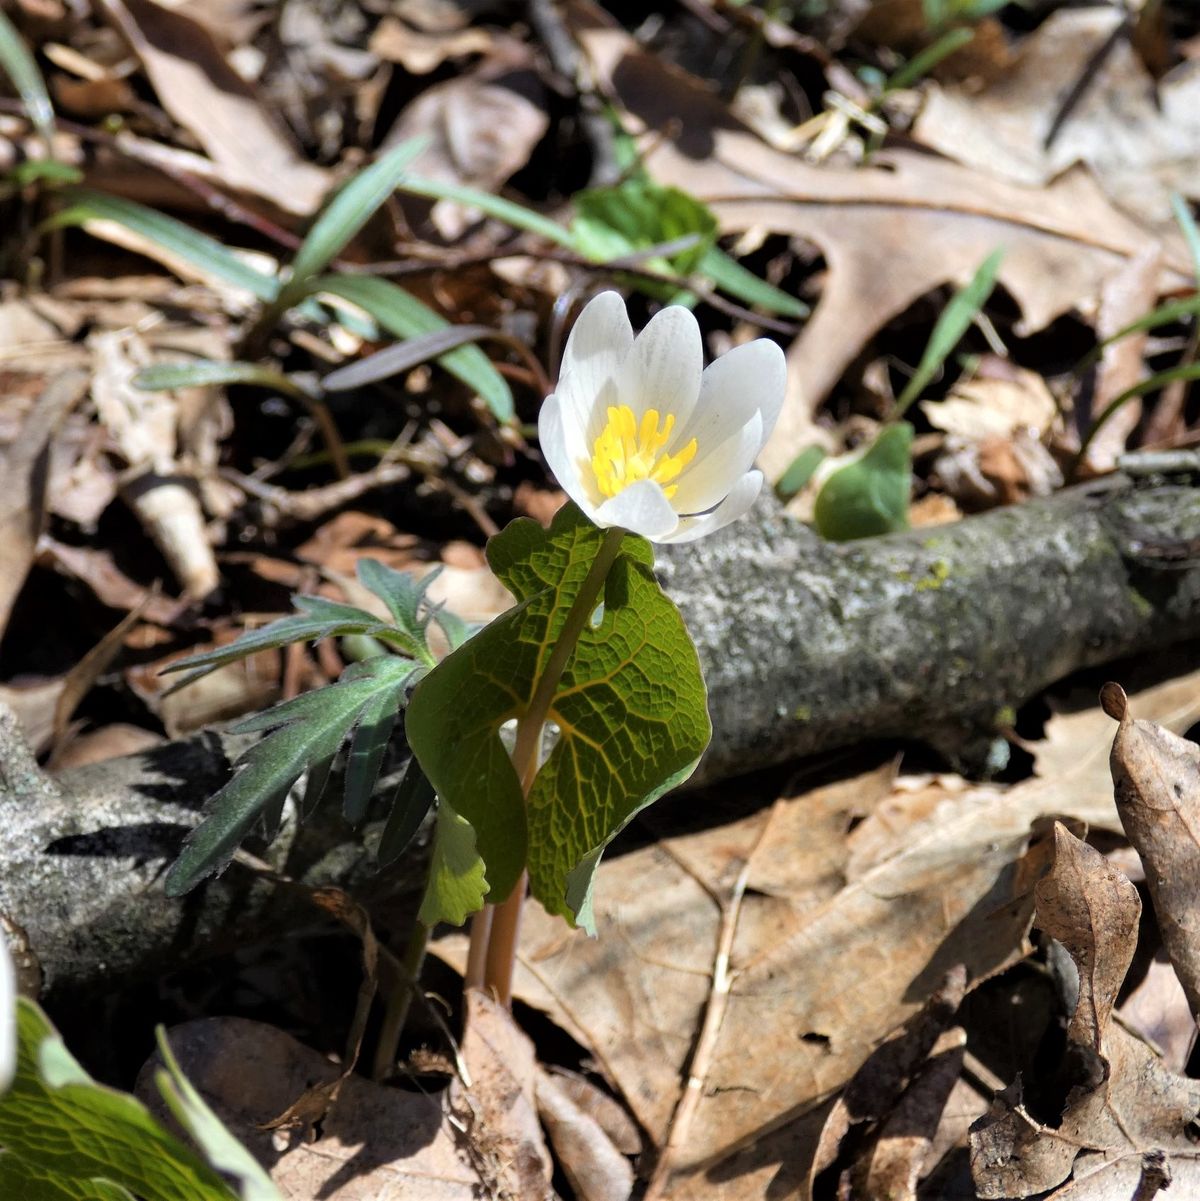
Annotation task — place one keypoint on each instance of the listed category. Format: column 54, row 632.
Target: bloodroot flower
column 639, row 436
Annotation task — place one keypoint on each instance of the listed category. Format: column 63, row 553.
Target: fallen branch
column 935, row 635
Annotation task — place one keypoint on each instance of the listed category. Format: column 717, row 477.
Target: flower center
column 626, row 452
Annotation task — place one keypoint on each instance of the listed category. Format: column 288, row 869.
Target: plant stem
column 500, row 932
column 399, row 1001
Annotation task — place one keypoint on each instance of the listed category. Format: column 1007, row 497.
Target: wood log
column 938, row 635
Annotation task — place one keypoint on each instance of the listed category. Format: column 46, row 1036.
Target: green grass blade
column 516, row 215
column 19, row 65
column 921, row 64
column 1187, row 226
column 346, row 214
column 954, row 321
column 207, row 254
column 165, row 377
column 404, row 316
column 730, row 276
column 1186, row 372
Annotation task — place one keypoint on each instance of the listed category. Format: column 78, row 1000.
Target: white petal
column 708, row 479
column 748, row 379
column 8, row 1017
column 599, row 343
column 663, row 369
column 641, row 508
column 560, row 450
column 736, row 504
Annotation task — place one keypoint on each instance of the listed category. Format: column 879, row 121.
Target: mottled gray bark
column 934, row 635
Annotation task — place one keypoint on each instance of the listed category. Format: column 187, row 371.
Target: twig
column 710, row 1029
column 316, row 502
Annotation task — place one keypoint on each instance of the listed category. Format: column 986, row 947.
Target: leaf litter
column 786, row 997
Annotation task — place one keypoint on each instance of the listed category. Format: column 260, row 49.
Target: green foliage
column 1187, row 226
column 17, row 63
column 630, row 711
column 398, row 312
column 869, row 495
column 606, row 228
column 306, row 733
column 636, row 215
column 954, row 321
column 66, row 1138
column 203, row 373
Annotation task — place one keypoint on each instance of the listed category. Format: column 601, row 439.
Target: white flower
column 639, row 437
column 8, row 1017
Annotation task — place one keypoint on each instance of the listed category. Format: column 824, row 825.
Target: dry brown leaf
column 144, row 428
column 1157, row 779
column 420, row 53
column 204, row 94
column 480, row 131
column 1157, row 1009
column 1093, row 910
column 1128, row 295
column 25, row 467
column 377, row 1144
column 890, row 233
column 1124, row 1102
column 825, row 969
column 112, row 587
column 108, row 742
column 1139, row 139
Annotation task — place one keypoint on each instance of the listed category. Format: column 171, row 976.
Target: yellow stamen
column 624, row 452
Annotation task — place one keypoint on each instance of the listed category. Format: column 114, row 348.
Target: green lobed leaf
column 631, row 711
column 404, row 316
column 457, row 885
column 307, row 731
column 67, row 1138
column 869, row 495
column 19, row 65
column 413, row 800
column 346, row 214
column 954, row 321
column 221, row 1149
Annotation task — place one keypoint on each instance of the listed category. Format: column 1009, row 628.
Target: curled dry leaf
column 593, row 1164
column 499, row 1105
column 1157, row 779
column 1124, row 1102
column 480, row 132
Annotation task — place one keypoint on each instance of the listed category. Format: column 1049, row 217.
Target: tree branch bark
column 934, row 635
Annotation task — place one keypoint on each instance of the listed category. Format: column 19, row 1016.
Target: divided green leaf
column 631, row 712
column 305, row 732
column 413, row 800
column 63, row 1136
